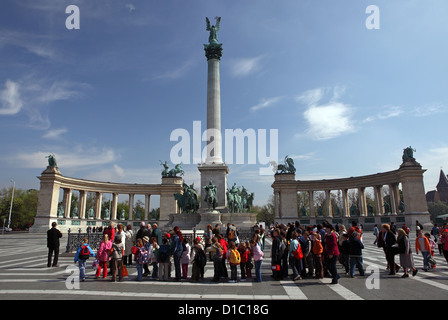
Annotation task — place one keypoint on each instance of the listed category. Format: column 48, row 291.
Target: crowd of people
column 297, row 252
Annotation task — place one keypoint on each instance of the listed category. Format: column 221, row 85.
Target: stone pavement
column 24, row 275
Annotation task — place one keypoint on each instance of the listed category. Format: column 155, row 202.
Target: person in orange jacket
column 422, row 244
column 317, row 251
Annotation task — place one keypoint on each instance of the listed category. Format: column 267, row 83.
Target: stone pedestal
column 416, row 207
column 244, row 220
column 168, row 205
column 217, row 173
column 285, row 197
column 184, row 220
column 47, row 205
column 212, row 217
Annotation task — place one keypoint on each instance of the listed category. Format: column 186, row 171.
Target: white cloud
column 59, row 90
column 307, row 156
column 265, row 103
column 11, row 102
column 311, row 97
column 429, row 109
column 244, row 66
column 36, row 44
column 130, row 7
column 176, row 73
column 114, row 174
column 326, row 120
column 54, row 134
column 390, row 112
column 74, row 158
column 36, row 94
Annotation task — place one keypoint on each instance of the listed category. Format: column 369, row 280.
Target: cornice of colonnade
column 168, row 185
column 287, row 181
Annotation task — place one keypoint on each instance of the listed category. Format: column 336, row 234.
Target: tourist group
column 307, row 252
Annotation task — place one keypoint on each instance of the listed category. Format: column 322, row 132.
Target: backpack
column 143, row 257
column 298, row 254
column 231, row 234
column 200, row 258
column 219, row 251
column 235, row 257
column 281, row 248
column 84, row 254
column 162, row 256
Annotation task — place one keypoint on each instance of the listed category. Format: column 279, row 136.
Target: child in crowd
column 103, row 256
column 345, row 253
column 245, row 256
column 317, row 251
column 234, row 261
column 82, row 254
column 117, row 258
column 356, row 246
column 185, row 258
column 136, row 251
column 153, row 250
column 258, row 259
column 249, row 263
column 217, row 252
column 198, row 259
column 163, row 259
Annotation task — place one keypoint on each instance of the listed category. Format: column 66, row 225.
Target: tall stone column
column 99, row 202
column 67, row 202
column 131, row 207
column 214, row 169
column 82, row 204
column 393, row 201
column 328, row 203
column 379, row 203
column 147, row 205
column 362, row 201
column 345, row 202
column 311, row 202
column 114, row 206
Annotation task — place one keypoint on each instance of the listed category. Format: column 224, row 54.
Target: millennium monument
column 213, row 171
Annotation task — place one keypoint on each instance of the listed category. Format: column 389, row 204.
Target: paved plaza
column 24, row 275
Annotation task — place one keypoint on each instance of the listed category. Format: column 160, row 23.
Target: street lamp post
column 12, row 199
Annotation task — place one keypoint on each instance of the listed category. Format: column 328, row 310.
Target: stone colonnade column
column 67, row 202
column 328, row 199
column 99, row 202
column 311, row 203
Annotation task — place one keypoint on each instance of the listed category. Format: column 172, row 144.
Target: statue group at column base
column 201, row 220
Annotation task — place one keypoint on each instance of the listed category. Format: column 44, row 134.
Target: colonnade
column 409, row 176
column 52, row 182
column 113, row 214
column 362, row 206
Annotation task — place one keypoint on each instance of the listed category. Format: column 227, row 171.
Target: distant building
column 441, row 194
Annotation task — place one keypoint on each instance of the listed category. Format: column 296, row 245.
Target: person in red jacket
column 224, row 245
column 244, row 254
column 332, row 250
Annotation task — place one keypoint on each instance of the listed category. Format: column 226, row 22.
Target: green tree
column 436, row 209
column 24, row 207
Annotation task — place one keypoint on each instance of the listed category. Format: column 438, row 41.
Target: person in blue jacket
column 176, row 249
column 82, row 254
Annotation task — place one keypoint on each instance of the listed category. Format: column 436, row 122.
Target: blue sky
column 104, row 99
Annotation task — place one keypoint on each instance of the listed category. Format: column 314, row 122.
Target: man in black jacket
column 53, row 236
column 277, row 251
column 390, row 248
